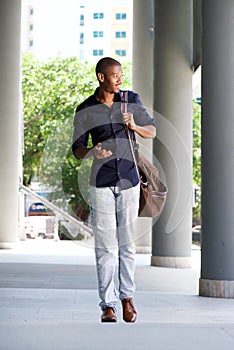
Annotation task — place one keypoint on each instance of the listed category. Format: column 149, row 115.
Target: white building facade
column 87, row 29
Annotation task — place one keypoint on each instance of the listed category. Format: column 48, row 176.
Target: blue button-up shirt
column 105, row 125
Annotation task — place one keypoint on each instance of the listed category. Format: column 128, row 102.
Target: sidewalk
column 48, row 300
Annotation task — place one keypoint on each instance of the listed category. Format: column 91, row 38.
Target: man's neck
column 105, row 97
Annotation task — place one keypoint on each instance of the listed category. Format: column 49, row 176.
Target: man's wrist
column 134, row 127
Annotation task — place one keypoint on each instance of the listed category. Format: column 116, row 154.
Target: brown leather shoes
column 108, row 315
column 129, row 311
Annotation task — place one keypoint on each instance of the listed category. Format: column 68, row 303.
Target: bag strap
column 124, row 105
column 132, row 149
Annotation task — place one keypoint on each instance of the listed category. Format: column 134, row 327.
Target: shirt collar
column 96, row 101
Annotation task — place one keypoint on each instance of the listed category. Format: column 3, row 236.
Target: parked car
column 196, row 233
column 39, row 209
column 40, row 222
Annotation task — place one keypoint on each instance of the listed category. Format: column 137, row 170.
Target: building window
column 121, row 53
column 81, row 20
column 97, row 34
column 97, row 15
column 31, row 11
column 97, row 52
column 120, row 34
column 31, row 27
column 81, row 38
column 120, row 16
column 30, row 43
column 81, row 55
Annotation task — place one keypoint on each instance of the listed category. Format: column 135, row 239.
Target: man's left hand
column 129, row 120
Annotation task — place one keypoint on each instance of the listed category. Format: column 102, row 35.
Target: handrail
column 56, row 209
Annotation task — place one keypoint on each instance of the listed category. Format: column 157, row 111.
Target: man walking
column 114, row 183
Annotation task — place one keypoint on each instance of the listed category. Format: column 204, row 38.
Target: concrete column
column 10, row 15
column 142, row 80
column 217, row 250
column 173, row 147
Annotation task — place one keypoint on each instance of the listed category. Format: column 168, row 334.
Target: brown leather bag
column 153, row 192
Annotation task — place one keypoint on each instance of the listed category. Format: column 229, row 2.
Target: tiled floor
column 48, row 300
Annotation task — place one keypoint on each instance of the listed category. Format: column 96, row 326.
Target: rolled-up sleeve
column 80, row 134
column 140, row 114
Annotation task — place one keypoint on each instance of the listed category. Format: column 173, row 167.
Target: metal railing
column 80, row 224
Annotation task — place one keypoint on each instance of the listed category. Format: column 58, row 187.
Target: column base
column 216, row 288
column 7, row 245
column 143, row 249
column 179, row 262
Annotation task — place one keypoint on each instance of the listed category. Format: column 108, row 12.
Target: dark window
column 98, row 15
column 81, row 38
column 120, row 34
column 81, row 20
column 120, row 52
column 97, row 52
column 97, row 34
column 120, row 16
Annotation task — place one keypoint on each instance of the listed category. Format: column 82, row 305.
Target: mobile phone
column 109, row 145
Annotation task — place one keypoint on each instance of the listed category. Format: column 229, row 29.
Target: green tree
column 197, row 155
column 51, row 92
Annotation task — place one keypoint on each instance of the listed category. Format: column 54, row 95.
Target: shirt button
column 117, row 158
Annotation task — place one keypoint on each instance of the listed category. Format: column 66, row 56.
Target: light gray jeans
column 113, row 214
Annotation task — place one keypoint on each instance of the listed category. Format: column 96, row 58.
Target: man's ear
column 101, row 77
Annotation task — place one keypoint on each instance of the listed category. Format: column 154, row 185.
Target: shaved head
column 105, row 63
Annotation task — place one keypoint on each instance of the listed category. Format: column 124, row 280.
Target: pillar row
column 10, row 15
column 217, row 248
column 142, row 80
column 171, row 246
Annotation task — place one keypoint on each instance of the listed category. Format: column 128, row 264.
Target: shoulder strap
column 132, row 149
column 124, row 108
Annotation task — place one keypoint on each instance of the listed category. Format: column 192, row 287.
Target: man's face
column 113, row 79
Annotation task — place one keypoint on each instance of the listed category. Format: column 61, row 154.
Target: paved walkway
column 48, row 300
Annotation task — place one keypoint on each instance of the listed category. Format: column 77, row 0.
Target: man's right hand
column 100, row 153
